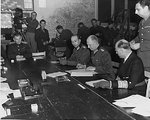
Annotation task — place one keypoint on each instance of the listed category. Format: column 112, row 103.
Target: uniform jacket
column 79, row 55
column 131, row 70
column 32, row 25
column 144, row 39
column 40, row 37
column 21, row 49
column 102, row 61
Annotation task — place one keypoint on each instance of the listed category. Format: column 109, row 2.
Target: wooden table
column 69, row 99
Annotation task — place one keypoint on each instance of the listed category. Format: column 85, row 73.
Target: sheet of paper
column 38, row 57
column 4, row 86
column 2, row 79
column 54, row 62
column 142, row 110
column 81, row 72
column 90, row 83
column 56, row 74
column 21, row 59
column 38, row 54
column 140, row 103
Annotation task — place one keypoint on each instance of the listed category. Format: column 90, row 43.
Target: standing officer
column 32, row 24
column 142, row 41
column 18, row 49
column 80, row 56
column 101, row 59
column 42, row 37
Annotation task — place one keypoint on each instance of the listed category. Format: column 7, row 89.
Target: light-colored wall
column 67, row 13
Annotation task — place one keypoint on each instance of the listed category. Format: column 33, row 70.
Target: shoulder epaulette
column 102, row 49
column 12, row 43
column 24, row 42
column 83, row 46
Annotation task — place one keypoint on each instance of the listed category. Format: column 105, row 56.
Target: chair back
column 147, row 74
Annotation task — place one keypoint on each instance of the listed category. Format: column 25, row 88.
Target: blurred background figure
column 83, row 32
column 32, row 24
column 64, row 36
column 18, row 49
column 18, row 19
column 42, row 37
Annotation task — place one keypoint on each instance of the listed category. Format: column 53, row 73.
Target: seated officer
column 100, row 58
column 80, row 55
column 131, row 71
column 18, row 49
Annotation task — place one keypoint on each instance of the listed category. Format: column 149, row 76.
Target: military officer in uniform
column 142, row 42
column 80, row 56
column 131, row 70
column 100, row 58
column 18, row 49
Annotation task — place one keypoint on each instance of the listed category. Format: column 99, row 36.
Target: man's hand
column 19, row 56
column 91, row 68
column 102, row 84
column 63, row 62
column 80, row 66
column 45, row 43
column 134, row 45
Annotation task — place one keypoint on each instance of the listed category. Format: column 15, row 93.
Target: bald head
column 123, row 44
column 122, row 48
column 92, row 42
column 75, row 41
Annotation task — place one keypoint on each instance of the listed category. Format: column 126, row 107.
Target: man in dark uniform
column 65, row 36
column 142, row 42
column 101, row 59
column 18, row 49
column 80, row 56
column 131, row 71
column 42, row 37
column 83, row 32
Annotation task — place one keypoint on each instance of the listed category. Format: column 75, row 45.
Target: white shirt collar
column 127, row 56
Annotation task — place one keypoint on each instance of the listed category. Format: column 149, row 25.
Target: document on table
column 141, row 104
column 81, row 72
column 39, row 55
column 90, row 83
column 56, row 74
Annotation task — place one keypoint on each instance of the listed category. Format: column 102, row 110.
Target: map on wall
column 72, row 12
column 12, row 4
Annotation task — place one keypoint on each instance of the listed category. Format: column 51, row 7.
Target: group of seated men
column 94, row 57
column 130, row 73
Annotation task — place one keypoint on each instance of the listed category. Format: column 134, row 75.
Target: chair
column 147, row 74
column 60, row 48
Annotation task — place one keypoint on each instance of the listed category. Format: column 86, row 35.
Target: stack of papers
column 56, row 74
column 81, row 72
column 140, row 104
column 21, row 59
column 39, row 55
column 90, row 83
